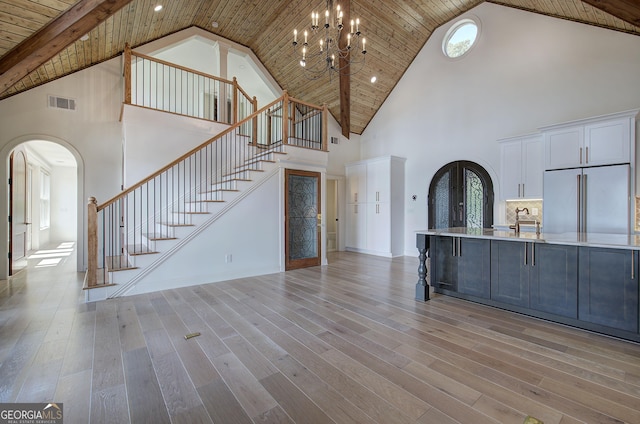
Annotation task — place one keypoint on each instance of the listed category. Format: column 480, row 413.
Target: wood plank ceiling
column 396, row 30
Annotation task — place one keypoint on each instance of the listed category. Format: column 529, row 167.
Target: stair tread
column 158, row 236
column 102, row 280
column 118, row 263
column 139, row 249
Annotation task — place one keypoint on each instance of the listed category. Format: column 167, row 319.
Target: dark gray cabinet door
column 553, row 279
column 474, row 267
column 444, row 263
column 509, row 272
column 608, row 287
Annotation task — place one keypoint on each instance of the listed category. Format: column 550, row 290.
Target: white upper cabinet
column 564, row 148
column 379, row 180
column 603, row 140
column 607, row 143
column 357, row 183
column 521, row 167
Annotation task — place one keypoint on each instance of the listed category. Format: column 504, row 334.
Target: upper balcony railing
column 156, row 84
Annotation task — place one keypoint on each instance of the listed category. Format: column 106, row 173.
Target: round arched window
column 460, row 38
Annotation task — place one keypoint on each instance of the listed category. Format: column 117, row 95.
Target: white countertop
column 620, row 241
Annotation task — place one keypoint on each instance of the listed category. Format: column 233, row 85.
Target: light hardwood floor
column 342, row 343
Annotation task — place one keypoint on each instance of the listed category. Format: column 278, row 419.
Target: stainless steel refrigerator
column 594, row 200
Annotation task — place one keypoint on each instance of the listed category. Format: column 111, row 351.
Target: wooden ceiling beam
column 53, row 38
column 627, row 10
column 345, row 73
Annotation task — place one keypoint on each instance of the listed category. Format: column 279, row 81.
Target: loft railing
column 152, row 208
column 156, row 84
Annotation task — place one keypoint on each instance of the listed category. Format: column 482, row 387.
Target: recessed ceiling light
column 374, row 79
column 158, row 8
column 214, row 24
column 84, row 37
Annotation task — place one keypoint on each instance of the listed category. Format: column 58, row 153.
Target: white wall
column 64, row 213
column 252, row 234
column 153, row 140
column 526, row 71
column 92, row 133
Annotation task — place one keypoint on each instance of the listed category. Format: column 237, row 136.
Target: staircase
column 132, row 235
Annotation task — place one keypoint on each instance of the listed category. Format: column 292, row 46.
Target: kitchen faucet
column 516, row 227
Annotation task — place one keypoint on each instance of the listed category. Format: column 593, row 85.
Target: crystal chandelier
column 323, row 49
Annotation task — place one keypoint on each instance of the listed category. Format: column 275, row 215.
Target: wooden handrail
column 186, row 155
column 244, row 93
column 182, row 68
column 307, row 116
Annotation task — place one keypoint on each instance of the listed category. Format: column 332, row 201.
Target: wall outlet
column 228, row 258
column 534, row 211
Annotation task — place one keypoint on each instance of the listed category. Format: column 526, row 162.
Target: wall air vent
column 62, row 103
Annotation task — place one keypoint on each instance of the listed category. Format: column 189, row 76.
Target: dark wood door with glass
column 461, row 195
column 302, row 219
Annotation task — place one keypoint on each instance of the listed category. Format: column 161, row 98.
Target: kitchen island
column 585, row 280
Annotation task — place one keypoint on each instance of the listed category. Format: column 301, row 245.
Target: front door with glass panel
column 302, row 219
column 461, row 195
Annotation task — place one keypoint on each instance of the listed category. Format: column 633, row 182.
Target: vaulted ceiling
column 40, row 39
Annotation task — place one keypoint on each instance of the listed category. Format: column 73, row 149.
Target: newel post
column 235, row 100
column 255, row 121
column 285, row 118
column 127, row 74
column 92, row 242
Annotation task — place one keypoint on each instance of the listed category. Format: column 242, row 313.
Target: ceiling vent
column 62, row 103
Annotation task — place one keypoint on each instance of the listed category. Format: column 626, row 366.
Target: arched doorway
column 52, row 211
column 461, row 195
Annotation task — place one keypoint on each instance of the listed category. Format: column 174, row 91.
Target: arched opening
column 461, row 195
column 48, row 213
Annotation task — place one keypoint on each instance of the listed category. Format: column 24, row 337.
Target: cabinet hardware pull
column 519, row 191
column 356, row 197
column 581, row 156
column 453, row 246
column 526, row 252
column 459, row 246
column 533, row 254
column 586, row 155
column 584, row 202
column 578, row 206
column 522, row 189
column 633, row 264
column 356, row 208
